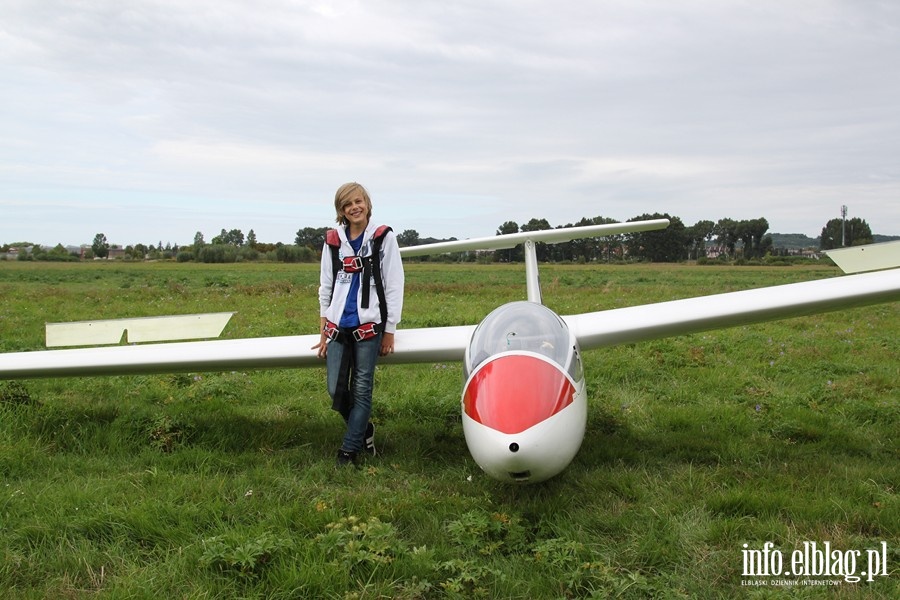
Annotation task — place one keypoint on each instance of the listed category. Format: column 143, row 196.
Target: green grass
column 222, row 485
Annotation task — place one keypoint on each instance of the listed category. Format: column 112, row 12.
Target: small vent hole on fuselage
column 521, row 475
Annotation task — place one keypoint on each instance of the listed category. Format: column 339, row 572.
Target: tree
column 235, row 238
column 100, row 247
column 218, row 253
column 766, row 245
column 508, row 227
column 750, row 233
column 311, row 237
column 742, row 231
column 603, row 248
column 294, row 254
column 698, row 235
column 409, row 237
column 251, row 239
column 512, row 254
column 856, row 232
column 662, row 245
column 726, row 235
column 757, row 229
column 57, row 254
column 571, row 250
column 541, row 249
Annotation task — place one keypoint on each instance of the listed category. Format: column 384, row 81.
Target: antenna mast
column 844, row 226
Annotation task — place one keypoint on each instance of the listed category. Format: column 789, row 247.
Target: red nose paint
column 513, row 393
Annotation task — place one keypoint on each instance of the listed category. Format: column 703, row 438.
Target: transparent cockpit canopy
column 527, row 326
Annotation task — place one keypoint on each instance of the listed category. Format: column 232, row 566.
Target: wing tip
column 869, row 257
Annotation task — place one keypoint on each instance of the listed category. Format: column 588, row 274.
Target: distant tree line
column 677, row 242
column 726, row 239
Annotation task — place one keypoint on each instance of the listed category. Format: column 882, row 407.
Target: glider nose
column 523, row 418
column 513, row 393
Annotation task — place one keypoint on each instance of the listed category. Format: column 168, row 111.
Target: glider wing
column 692, row 315
column 439, row 344
column 549, row 236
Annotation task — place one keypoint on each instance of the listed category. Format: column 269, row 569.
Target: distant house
column 113, row 253
column 14, row 252
column 714, row 251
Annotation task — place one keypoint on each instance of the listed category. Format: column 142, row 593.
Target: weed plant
column 223, row 485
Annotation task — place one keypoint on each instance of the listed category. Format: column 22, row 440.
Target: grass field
column 699, row 450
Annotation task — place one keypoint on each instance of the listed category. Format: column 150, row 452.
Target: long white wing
column 440, row 344
column 692, row 315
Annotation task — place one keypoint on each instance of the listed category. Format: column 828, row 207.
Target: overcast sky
column 151, row 120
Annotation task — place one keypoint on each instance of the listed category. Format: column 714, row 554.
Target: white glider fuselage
column 524, row 407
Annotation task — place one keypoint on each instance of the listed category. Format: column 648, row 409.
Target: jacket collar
column 367, row 234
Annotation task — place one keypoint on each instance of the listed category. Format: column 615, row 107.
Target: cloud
column 234, row 114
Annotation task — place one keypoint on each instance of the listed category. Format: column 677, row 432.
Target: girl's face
column 355, row 210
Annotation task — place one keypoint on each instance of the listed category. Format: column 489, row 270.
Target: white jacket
column 332, row 305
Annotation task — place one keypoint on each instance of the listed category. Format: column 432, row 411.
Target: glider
column 523, row 404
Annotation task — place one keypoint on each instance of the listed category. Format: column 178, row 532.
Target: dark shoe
column 345, row 458
column 370, row 439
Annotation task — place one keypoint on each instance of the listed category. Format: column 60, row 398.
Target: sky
column 151, row 120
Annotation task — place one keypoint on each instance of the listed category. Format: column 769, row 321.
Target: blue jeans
column 362, row 379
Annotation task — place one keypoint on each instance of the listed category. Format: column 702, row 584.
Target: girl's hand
column 387, row 344
column 321, row 347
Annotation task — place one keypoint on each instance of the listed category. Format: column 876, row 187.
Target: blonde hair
column 342, row 199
